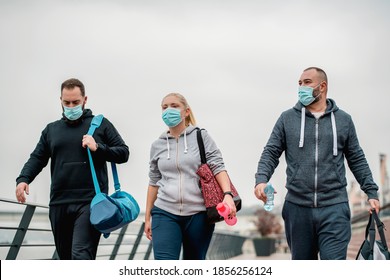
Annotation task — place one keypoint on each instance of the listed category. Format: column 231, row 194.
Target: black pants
column 74, row 236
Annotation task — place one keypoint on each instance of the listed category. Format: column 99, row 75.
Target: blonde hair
column 190, row 119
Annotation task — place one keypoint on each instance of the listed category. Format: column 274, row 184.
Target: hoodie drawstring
column 185, row 144
column 334, row 131
column 168, row 157
column 302, row 128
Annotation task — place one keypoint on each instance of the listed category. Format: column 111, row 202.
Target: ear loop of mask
column 316, row 97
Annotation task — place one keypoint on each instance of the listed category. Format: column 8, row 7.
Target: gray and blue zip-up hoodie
column 173, row 166
column 315, row 150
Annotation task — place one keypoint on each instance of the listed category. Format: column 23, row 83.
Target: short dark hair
column 320, row 71
column 72, row 83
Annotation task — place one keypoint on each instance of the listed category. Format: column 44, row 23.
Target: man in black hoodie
column 64, row 142
column 316, row 137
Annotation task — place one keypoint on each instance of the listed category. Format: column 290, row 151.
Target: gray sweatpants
column 313, row 232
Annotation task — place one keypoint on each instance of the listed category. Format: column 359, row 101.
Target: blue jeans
column 311, row 231
column 171, row 232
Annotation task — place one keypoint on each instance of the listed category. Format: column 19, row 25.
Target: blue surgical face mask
column 171, row 117
column 305, row 95
column 73, row 113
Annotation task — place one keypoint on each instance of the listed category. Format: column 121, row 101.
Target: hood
column 165, row 135
column 331, row 106
column 330, row 109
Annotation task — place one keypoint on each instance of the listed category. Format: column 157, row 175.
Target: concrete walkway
column 275, row 256
column 248, row 253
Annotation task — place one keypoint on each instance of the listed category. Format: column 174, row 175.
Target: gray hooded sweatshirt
column 315, row 150
column 173, row 166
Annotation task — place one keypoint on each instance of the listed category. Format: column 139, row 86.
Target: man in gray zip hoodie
column 316, row 137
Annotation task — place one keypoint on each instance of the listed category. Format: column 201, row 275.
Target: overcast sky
column 237, row 62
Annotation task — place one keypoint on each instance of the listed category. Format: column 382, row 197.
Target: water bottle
column 224, row 210
column 269, row 191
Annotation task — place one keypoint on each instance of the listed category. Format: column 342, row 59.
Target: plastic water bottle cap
column 221, row 207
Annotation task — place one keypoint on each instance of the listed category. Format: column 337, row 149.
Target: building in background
column 384, row 182
column 357, row 198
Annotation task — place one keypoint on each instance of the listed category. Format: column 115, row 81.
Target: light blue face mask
column 305, row 95
column 171, row 117
column 73, row 113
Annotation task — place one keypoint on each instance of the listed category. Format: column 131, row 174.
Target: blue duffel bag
column 110, row 212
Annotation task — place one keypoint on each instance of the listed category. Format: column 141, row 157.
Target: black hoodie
column 71, row 179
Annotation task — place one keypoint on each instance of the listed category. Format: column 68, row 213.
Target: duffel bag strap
column 95, row 123
column 117, row 185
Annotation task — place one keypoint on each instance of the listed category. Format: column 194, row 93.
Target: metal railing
column 225, row 246
column 359, row 220
column 363, row 216
column 22, row 224
column 22, row 229
column 26, row 234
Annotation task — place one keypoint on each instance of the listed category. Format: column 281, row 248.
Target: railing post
column 20, row 232
column 55, row 255
column 118, row 242
column 137, row 242
column 148, row 251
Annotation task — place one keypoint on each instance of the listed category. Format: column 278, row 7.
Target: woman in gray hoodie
column 175, row 213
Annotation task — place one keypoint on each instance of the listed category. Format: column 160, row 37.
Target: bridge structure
column 25, row 234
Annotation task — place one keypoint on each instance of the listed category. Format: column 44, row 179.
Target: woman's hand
column 228, row 199
column 148, row 230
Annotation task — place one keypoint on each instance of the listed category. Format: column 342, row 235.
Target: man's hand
column 259, row 192
column 89, row 141
column 21, row 190
column 374, row 204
